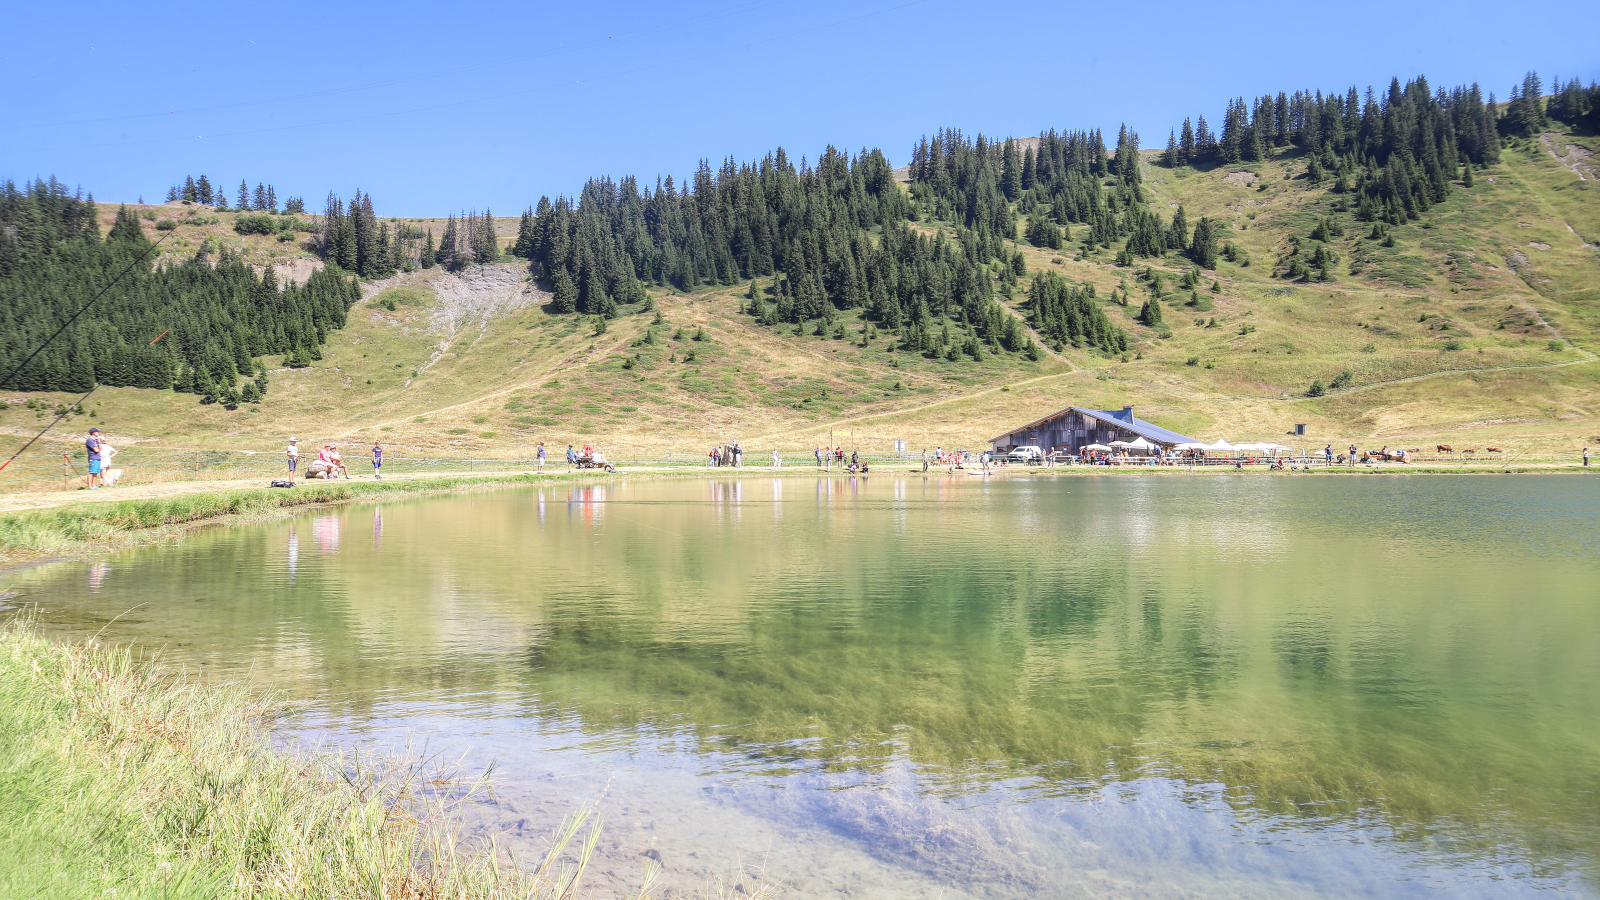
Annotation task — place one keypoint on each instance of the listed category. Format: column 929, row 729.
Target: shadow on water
column 1215, row 686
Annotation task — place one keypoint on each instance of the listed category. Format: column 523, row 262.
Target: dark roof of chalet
column 1121, row 418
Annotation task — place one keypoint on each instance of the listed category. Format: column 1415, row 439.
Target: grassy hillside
column 1476, row 326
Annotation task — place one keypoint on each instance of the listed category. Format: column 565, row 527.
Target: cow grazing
column 1469, row 450
column 1491, row 450
column 1445, row 448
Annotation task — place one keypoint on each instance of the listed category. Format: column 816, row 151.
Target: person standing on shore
column 1586, row 457
column 539, row 455
column 571, row 458
column 377, row 460
column 293, row 454
column 777, row 461
column 818, row 454
column 92, row 444
column 1352, row 454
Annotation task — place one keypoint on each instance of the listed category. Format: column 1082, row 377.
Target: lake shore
column 45, row 526
column 124, row 776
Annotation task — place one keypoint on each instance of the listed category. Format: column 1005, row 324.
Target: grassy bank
column 82, row 527
column 119, row 777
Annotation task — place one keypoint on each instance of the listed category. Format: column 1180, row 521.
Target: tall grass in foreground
column 119, row 777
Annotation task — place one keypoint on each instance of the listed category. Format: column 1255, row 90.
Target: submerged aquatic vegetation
column 119, row 775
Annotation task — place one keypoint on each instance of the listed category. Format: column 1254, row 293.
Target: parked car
column 1028, row 456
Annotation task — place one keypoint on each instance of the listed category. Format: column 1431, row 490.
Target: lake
column 892, row 686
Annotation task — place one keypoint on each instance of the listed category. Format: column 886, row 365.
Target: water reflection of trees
column 859, row 625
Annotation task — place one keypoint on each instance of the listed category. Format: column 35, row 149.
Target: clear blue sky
column 447, row 105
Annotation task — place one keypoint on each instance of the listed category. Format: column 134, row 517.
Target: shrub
column 256, row 224
column 1555, row 346
column 166, row 225
column 1316, row 389
column 1192, row 361
column 1342, row 380
column 1452, row 345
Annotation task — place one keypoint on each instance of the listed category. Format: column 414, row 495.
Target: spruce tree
column 566, row 293
column 243, row 203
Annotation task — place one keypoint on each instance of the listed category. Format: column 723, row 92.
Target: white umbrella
column 1095, row 447
column 1123, row 444
column 1221, row 446
column 1194, row 445
column 1142, row 444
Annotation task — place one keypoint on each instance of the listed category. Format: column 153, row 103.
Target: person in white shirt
column 293, row 454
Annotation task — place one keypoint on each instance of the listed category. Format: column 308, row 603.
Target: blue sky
column 442, row 106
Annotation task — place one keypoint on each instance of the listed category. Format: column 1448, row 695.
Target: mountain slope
column 1477, row 325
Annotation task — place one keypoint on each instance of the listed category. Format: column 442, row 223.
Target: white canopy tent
column 1099, row 448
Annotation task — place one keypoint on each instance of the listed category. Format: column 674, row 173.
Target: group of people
column 731, row 455
column 329, row 462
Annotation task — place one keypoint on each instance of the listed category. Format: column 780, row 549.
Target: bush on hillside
column 259, row 224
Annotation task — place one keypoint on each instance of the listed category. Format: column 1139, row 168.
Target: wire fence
column 65, row 469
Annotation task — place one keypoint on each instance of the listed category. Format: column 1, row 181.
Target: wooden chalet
column 1076, row 427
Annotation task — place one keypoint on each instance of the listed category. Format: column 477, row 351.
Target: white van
column 1030, row 456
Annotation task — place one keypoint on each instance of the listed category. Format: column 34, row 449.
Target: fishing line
column 98, row 386
column 96, row 299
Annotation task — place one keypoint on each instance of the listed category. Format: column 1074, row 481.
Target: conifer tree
column 566, row 293
column 243, row 203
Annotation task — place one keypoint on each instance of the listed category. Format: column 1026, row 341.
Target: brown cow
column 1469, row 450
column 1445, row 448
column 1491, row 450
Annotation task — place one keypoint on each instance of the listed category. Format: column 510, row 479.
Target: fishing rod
column 85, row 308
column 98, row 385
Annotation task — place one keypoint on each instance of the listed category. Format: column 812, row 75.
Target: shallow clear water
column 1079, row 686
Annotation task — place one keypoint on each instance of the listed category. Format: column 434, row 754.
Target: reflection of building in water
column 325, row 533
column 97, row 576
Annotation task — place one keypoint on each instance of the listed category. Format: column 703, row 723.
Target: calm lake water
column 946, row 687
